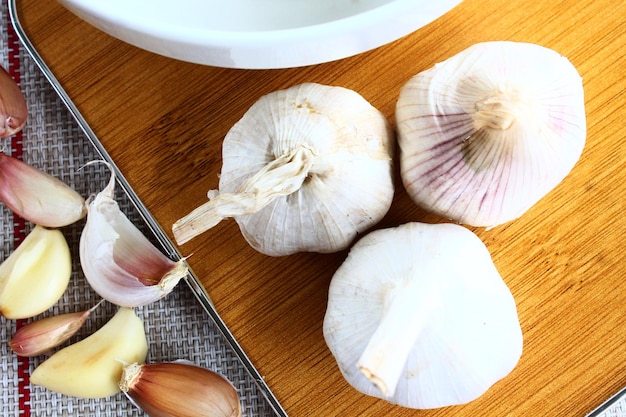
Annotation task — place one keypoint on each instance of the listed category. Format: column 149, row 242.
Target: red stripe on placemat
column 19, row 232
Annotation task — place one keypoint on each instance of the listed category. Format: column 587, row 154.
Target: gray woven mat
column 177, row 327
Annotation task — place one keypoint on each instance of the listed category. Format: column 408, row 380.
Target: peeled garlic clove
column 177, row 389
column 119, row 262
column 13, row 108
column 418, row 315
column 93, row 367
column 487, row 133
column 35, row 276
column 43, row 335
column 305, row 169
column 38, row 196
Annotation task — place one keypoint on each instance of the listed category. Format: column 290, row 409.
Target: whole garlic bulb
column 487, row 133
column 305, row 169
column 418, row 315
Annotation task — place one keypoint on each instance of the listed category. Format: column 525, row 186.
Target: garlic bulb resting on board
column 418, row 315
column 305, row 170
column 118, row 261
column 487, row 133
column 13, row 108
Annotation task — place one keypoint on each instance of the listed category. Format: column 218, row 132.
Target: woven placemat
column 177, row 326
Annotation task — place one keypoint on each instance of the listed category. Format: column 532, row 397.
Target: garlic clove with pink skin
column 13, row 108
column 38, row 196
column 179, row 389
column 419, row 316
column 41, row 336
column 487, row 133
column 118, row 261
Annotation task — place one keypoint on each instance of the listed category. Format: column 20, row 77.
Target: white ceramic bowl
column 258, row 34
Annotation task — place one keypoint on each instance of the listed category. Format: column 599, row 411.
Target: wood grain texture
column 163, row 120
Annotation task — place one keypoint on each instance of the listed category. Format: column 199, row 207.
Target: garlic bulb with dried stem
column 418, row 315
column 487, row 133
column 119, row 261
column 13, row 108
column 179, row 389
column 305, row 169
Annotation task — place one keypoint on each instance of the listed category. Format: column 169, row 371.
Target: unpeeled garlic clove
column 13, row 108
column 43, row 335
column 35, row 276
column 119, row 262
column 38, row 196
column 487, row 133
column 92, row 367
column 177, row 389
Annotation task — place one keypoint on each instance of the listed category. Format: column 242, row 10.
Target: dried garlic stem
column 407, row 313
column 283, row 176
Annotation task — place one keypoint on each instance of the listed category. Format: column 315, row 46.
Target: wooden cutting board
column 163, row 121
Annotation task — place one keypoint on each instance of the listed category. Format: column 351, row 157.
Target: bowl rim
column 360, row 32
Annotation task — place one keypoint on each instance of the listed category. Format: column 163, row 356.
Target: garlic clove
column 306, row 169
column 35, row 276
column 92, row 367
column 43, row 335
column 419, row 316
column 13, row 108
column 119, row 262
column 176, row 389
column 487, row 133
column 38, row 196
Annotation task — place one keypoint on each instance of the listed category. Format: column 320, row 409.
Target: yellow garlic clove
column 178, row 389
column 35, row 276
column 487, row 133
column 43, row 335
column 38, row 196
column 306, row 169
column 119, row 262
column 13, row 108
column 93, row 367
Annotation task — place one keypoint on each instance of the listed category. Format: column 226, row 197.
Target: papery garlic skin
column 35, row 276
column 41, row 336
column 305, row 170
column 92, row 367
column 119, row 262
column 487, row 133
column 178, row 389
column 13, row 108
column 38, row 196
column 418, row 315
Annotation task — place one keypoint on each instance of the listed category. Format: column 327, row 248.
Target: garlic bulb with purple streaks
column 487, row 133
column 305, row 170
